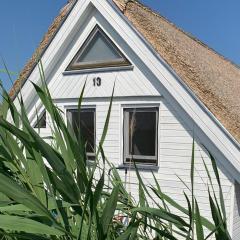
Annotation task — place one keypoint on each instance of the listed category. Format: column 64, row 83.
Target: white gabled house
column 175, row 87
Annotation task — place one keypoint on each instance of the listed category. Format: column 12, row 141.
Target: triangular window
column 98, row 51
column 41, row 121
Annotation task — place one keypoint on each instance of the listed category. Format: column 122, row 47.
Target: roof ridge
column 188, row 34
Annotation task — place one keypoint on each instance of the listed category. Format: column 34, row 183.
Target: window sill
column 98, row 70
column 140, row 167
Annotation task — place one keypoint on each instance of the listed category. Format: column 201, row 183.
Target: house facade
column 169, row 90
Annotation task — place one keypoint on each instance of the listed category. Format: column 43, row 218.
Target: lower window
column 83, row 124
column 141, row 135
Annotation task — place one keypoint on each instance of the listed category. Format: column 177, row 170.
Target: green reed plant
column 48, row 190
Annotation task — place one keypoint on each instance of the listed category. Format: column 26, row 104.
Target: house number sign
column 97, row 82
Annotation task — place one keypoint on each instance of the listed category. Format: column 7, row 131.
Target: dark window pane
column 41, row 122
column 142, row 133
column 99, row 50
column 85, row 124
column 87, row 129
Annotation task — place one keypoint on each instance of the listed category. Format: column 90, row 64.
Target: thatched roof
column 214, row 79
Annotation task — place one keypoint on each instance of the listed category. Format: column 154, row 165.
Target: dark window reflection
column 84, row 124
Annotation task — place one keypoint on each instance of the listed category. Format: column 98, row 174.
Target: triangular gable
column 169, row 76
column 98, row 51
column 183, row 53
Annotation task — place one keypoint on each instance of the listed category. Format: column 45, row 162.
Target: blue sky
column 23, row 23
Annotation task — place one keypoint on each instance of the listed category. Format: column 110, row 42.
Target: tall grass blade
column 199, row 226
column 27, row 225
column 109, row 210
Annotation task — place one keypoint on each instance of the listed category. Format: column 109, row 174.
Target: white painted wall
column 136, row 87
column 147, row 83
column 175, row 147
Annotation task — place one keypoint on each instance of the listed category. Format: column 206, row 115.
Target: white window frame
column 125, row 139
column 78, row 66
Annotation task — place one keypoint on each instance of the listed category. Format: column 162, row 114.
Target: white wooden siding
column 174, row 156
column 137, row 86
column 236, row 213
column 128, row 83
column 151, row 64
